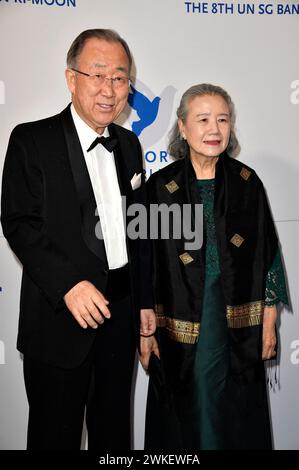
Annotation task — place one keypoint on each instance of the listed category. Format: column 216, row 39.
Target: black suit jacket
column 48, row 217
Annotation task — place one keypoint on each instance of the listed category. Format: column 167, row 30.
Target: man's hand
column 147, row 346
column 147, row 322
column 87, row 304
column 269, row 335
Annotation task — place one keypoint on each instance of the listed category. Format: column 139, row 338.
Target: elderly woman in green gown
column 215, row 304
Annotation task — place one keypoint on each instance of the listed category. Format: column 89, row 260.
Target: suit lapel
column 120, row 162
column 86, row 198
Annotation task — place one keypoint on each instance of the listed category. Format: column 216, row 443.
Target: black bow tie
column 108, row 142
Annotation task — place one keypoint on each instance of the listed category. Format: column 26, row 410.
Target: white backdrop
column 249, row 48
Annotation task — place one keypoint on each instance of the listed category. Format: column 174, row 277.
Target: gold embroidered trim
column 237, row 240
column 238, row 316
column 245, row 173
column 181, row 331
column 172, row 186
column 250, row 314
column 186, row 258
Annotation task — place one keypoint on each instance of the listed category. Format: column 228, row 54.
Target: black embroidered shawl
column 247, row 244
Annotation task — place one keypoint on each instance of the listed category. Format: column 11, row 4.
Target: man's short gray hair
column 108, row 35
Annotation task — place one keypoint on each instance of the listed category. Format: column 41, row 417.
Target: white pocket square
column 136, row 181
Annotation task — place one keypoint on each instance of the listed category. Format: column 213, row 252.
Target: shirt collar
column 85, row 133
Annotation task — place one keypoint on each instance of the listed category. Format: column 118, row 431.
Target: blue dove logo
column 146, row 109
column 150, row 115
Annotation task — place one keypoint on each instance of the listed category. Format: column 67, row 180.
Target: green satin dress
column 211, row 366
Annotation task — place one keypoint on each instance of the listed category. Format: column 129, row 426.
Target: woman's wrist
column 147, row 336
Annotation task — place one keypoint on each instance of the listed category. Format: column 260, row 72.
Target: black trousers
column 57, row 397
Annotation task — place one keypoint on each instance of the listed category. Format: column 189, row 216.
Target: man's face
column 99, row 104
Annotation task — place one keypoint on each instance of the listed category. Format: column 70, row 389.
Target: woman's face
column 207, row 126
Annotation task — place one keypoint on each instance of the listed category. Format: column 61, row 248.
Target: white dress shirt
column 102, row 172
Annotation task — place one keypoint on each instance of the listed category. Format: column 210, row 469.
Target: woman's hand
column 147, row 346
column 147, row 322
column 269, row 335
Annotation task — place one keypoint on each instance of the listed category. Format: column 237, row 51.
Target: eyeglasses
column 99, row 79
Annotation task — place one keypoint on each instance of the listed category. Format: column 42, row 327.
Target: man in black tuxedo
column 85, row 295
